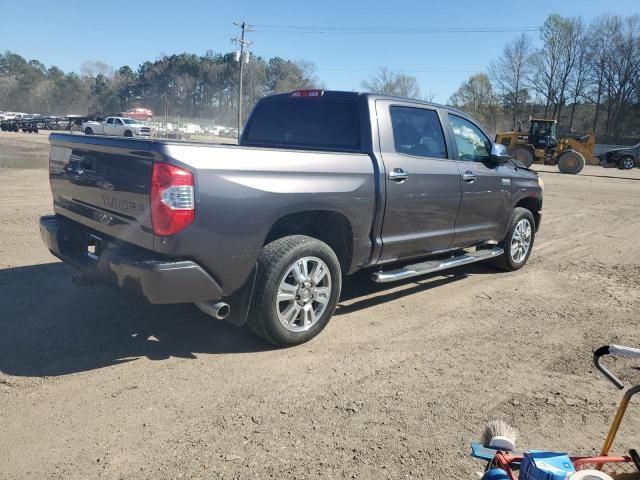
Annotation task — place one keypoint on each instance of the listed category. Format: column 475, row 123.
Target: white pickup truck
column 118, row 127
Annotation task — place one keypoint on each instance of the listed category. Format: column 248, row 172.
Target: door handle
column 398, row 175
column 468, row 176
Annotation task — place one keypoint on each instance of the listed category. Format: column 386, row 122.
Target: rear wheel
column 524, row 155
column 88, row 131
column 518, row 243
column 626, row 163
column 297, row 290
column 571, row 162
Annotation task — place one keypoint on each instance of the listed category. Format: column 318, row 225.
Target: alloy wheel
column 521, row 240
column 303, row 294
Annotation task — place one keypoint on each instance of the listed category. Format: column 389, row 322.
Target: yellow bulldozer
column 541, row 145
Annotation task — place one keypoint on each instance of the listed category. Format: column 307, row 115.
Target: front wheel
column 128, row 133
column 297, row 290
column 524, row 155
column 626, row 163
column 518, row 243
column 571, row 162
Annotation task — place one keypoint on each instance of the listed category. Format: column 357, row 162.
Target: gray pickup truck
column 322, row 184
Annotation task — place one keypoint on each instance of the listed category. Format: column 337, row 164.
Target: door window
column 473, row 145
column 109, row 121
column 118, row 121
column 417, row 131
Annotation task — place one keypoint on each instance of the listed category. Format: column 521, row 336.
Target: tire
column 511, row 260
column 524, row 155
column 88, row 131
column 288, row 321
column 571, row 162
column 128, row 133
column 626, row 163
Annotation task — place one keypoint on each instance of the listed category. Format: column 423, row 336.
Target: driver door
column 485, row 206
column 422, row 184
column 109, row 127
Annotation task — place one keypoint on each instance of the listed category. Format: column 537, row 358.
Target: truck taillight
column 307, row 93
column 172, row 199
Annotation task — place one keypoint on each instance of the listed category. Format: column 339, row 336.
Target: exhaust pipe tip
column 222, row 310
column 219, row 310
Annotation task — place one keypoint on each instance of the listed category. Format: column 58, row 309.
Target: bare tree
column 579, row 78
column 388, row 82
column 571, row 32
column 601, row 32
column 547, row 61
column 476, row 97
column 623, row 73
column 93, row 69
column 430, row 96
column 510, row 72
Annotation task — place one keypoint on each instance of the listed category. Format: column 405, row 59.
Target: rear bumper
column 160, row 280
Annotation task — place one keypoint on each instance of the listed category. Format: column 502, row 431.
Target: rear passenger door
column 422, row 185
column 486, row 186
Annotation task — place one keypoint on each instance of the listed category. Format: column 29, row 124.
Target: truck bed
column 103, row 185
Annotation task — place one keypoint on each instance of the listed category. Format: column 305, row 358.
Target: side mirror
column 499, row 153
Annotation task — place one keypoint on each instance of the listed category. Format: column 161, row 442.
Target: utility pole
column 241, row 57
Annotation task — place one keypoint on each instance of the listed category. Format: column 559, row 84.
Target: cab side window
column 417, row 132
column 473, row 145
column 110, row 121
column 119, row 122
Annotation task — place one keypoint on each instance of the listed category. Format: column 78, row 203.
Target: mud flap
column 240, row 301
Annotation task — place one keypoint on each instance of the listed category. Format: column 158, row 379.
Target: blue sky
column 68, row 33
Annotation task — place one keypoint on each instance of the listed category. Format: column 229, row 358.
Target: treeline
column 187, row 85
column 585, row 76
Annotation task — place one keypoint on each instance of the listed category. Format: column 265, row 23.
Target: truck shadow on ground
column 49, row 327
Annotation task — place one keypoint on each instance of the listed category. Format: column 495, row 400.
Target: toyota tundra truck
column 322, row 184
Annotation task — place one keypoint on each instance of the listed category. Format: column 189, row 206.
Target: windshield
column 129, row 121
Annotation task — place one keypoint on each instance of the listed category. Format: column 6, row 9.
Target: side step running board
column 432, row 266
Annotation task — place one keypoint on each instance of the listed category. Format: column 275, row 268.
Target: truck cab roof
column 319, row 119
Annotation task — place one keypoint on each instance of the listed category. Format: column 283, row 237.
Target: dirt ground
column 98, row 384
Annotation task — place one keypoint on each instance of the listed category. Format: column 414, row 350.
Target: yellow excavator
column 541, row 145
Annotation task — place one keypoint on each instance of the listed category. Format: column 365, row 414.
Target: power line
column 312, row 29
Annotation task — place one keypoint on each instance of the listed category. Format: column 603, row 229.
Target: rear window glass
column 306, row 122
column 417, row 131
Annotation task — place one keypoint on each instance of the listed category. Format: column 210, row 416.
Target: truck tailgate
column 103, row 183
